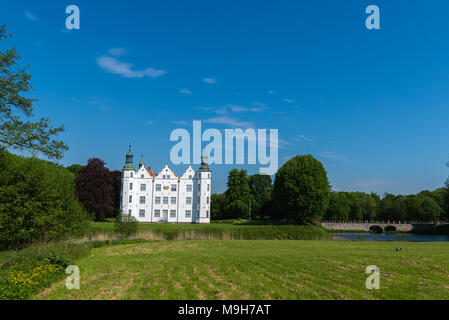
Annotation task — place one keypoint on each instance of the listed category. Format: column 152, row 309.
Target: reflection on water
column 390, row 237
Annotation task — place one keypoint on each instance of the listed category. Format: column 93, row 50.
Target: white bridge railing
column 384, row 222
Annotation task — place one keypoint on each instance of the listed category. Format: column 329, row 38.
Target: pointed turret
column 129, row 165
column 204, row 165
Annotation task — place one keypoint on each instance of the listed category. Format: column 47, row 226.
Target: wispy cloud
column 210, row 80
column 301, row 137
column 181, row 122
column 116, row 52
column 125, row 69
column 289, row 100
column 99, row 102
column 31, row 16
column 148, row 123
column 238, row 109
column 230, row 122
column 271, row 92
column 185, row 91
column 333, row 156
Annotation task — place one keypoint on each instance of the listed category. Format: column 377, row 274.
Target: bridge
column 379, row 226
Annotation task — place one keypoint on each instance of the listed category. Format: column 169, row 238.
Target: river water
column 390, row 237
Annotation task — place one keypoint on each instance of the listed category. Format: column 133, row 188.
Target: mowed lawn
column 260, row 269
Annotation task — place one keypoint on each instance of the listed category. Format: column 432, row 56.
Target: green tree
column 339, row 207
column 428, row 209
column 356, row 212
column 238, row 195
column 37, row 202
column 15, row 131
column 217, row 206
column 75, row 169
column 261, row 187
column 301, row 190
column 446, row 214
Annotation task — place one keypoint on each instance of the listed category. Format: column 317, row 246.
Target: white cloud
column 301, row 137
column 116, row 52
column 31, row 16
column 181, row 122
column 289, row 100
column 185, row 91
column 230, row 122
column 333, row 156
column 99, row 102
column 124, row 69
column 210, row 80
column 238, row 109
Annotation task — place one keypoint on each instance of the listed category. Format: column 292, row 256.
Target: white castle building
column 166, row 197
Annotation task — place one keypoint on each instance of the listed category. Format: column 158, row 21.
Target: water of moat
column 412, row 237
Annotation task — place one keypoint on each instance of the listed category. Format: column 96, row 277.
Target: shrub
column 125, row 225
column 37, row 202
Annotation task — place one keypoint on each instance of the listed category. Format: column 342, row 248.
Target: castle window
column 190, row 176
column 208, row 187
column 129, row 211
column 172, row 213
column 165, row 213
column 164, row 176
column 207, row 200
column 142, row 200
column 168, row 176
column 207, row 213
column 199, row 200
column 130, row 199
column 142, row 213
column 208, row 175
column 173, row 200
column 157, row 213
column 142, row 176
column 189, row 188
column 199, row 187
column 143, row 187
column 158, row 187
column 189, row 200
column 132, row 174
column 158, row 200
column 165, row 200
column 131, row 186
column 173, row 187
column 188, row 213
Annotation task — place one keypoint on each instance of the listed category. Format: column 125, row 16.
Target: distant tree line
column 301, row 194
column 424, row 206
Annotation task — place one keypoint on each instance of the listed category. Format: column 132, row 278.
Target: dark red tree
column 117, row 184
column 95, row 189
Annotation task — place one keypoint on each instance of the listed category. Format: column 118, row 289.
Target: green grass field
column 255, row 269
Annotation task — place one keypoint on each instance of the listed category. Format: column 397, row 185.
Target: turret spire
column 129, row 165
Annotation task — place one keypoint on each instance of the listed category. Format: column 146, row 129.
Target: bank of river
column 412, row 237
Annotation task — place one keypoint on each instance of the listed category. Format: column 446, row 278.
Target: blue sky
column 372, row 105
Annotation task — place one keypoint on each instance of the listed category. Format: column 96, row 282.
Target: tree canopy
column 301, row 190
column 16, row 132
column 37, row 202
column 95, row 189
